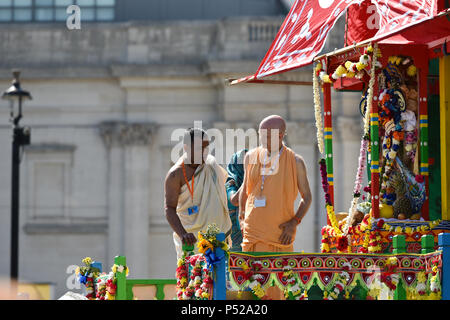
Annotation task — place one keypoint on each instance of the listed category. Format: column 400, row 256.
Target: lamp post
column 21, row 137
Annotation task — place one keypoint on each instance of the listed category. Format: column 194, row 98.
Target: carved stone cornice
column 121, row 133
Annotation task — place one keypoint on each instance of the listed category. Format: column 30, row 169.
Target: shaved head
column 273, row 122
column 271, row 132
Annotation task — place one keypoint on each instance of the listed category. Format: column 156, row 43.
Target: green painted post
column 399, row 245
column 188, row 248
column 121, row 291
column 427, row 242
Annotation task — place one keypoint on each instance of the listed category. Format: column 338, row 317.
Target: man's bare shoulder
column 174, row 173
column 299, row 158
column 300, row 161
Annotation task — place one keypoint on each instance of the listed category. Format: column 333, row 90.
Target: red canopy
column 305, row 29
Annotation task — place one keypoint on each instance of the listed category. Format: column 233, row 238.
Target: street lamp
column 21, row 137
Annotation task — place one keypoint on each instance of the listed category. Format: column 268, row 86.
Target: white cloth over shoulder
column 211, row 198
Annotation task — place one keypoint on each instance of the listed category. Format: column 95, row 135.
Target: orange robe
column 261, row 224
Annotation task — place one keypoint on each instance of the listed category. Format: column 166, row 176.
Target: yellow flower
column 225, row 247
column 114, row 268
column 87, row 260
column 340, row 71
column 391, row 261
column 203, row 245
column 318, row 66
column 398, row 230
column 205, row 295
column 408, row 230
column 326, row 79
column 369, row 49
column 421, row 277
column 360, row 66
column 435, row 269
column 350, row 74
column 348, row 64
column 411, row 71
column 180, row 262
column 325, row 247
column 77, row 271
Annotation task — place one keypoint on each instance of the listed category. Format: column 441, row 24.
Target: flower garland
column 410, row 230
column 325, row 246
column 329, row 206
column 181, row 274
column 340, row 284
column 251, row 274
column 391, row 109
column 106, row 286
column 86, row 275
column 199, row 285
column 358, row 182
column 365, row 140
column 293, row 290
column 99, row 286
column 317, row 109
column 435, row 285
column 389, row 277
column 207, row 244
column 421, row 286
column 351, row 69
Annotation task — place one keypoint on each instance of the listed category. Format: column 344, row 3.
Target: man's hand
column 288, row 228
column 189, row 239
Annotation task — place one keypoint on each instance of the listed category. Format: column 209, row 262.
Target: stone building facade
column 106, row 100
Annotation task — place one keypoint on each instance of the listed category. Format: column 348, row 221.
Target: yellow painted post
column 444, row 92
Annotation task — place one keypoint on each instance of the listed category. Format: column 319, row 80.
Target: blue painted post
column 97, row 265
column 219, row 276
column 444, row 246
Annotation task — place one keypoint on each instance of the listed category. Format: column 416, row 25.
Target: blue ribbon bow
column 212, row 258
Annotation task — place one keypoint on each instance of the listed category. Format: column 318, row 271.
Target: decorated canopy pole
column 374, row 150
column 328, row 135
column 422, row 63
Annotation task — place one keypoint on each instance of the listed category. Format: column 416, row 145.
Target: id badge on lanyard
column 260, row 201
column 194, row 209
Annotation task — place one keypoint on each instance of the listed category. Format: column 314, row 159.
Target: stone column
column 128, row 191
column 301, row 137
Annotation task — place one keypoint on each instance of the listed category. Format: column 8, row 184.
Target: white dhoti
column 211, row 198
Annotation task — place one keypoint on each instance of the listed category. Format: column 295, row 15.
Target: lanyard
column 190, row 188
column 271, row 169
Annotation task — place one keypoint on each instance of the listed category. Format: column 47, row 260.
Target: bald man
column 274, row 175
